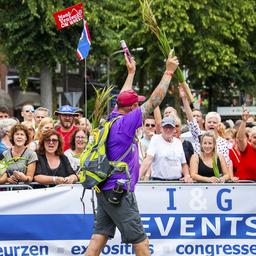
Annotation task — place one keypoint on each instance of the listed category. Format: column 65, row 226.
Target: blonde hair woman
column 46, row 124
column 85, row 124
column 208, row 166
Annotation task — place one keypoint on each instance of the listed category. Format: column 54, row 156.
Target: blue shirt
column 2, row 149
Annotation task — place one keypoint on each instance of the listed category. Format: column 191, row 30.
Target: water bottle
column 117, row 192
column 125, row 49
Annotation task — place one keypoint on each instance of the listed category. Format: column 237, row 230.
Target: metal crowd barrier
column 10, row 187
column 21, row 186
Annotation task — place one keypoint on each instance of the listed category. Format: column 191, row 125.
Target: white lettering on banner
column 164, row 231
column 70, row 17
column 196, row 220
column 185, row 224
column 198, row 202
column 215, row 228
column 197, row 226
column 233, row 221
column 249, row 223
column 146, row 226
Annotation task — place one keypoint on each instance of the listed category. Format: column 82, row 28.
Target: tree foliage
column 214, row 39
column 30, row 39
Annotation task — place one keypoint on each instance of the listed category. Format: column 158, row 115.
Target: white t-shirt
column 73, row 159
column 168, row 157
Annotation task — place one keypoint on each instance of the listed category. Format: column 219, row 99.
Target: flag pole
column 85, row 89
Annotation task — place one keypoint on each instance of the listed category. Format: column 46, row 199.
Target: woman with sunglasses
column 19, row 160
column 53, row 166
column 78, row 143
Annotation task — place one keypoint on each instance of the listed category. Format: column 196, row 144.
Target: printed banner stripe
column 157, row 226
column 46, row 227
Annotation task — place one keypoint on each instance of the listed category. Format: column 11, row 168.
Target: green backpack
column 95, row 167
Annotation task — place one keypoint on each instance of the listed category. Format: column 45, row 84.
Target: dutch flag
column 84, row 43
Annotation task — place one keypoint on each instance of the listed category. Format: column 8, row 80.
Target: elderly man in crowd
column 166, row 154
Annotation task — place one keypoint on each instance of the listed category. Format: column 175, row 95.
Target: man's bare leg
column 96, row 245
column 142, row 248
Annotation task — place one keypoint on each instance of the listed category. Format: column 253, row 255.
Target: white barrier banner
column 179, row 219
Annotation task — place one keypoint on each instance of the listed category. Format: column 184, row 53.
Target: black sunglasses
column 54, row 141
column 150, row 125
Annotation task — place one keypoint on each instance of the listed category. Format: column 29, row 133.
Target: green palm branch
column 163, row 42
column 215, row 167
column 103, row 97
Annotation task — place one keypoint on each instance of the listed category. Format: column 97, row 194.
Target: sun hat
column 65, row 110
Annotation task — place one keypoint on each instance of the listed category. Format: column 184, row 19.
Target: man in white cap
column 165, row 156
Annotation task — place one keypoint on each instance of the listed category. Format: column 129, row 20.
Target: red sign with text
column 69, row 16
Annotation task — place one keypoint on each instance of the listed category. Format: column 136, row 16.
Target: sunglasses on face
column 29, row 111
column 53, row 141
column 150, row 125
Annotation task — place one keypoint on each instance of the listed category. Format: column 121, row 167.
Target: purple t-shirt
column 121, row 136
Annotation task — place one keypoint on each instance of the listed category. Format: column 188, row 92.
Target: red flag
column 69, row 16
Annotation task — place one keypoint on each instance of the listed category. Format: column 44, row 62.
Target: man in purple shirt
column 121, row 136
column 125, row 215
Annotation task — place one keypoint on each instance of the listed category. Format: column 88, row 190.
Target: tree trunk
column 46, row 88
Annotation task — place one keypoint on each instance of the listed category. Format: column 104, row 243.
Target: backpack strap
column 128, row 175
column 120, row 159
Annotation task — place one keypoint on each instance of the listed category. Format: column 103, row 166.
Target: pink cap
column 127, row 98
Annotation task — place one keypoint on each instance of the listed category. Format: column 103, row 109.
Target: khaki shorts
column 124, row 216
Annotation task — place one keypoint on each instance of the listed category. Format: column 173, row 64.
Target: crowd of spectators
column 215, row 151
column 40, row 148
column 47, row 149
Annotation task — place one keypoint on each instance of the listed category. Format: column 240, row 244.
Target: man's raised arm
column 160, row 91
column 131, row 68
